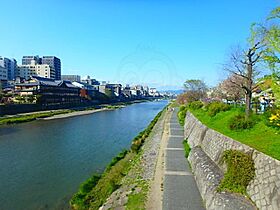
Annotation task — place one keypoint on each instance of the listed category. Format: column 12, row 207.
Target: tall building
column 52, row 61
column 10, row 65
column 3, row 77
column 55, row 63
column 34, row 69
column 72, row 78
column 26, row 60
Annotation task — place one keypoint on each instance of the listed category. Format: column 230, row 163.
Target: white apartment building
column 34, row 69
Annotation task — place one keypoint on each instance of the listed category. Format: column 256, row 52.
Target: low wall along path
column 207, row 149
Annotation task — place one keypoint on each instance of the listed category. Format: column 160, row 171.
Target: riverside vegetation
column 31, row 117
column 93, row 193
column 257, row 131
column 240, row 171
column 21, row 118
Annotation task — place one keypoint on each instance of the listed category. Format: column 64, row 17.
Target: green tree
column 268, row 33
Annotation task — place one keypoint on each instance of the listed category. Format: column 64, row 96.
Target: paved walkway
column 179, row 188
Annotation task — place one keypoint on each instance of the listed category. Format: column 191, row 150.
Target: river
column 42, row 163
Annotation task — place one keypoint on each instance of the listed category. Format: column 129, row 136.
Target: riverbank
column 75, row 113
column 63, row 113
column 127, row 182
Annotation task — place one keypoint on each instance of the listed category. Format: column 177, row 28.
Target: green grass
column 182, row 114
column 136, row 201
column 187, row 148
column 108, row 183
column 261, row 137
column 30, row 117
column 93, row 194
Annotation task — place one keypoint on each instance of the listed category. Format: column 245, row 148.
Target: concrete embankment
column 208, row 147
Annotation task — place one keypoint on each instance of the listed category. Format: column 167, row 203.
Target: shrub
column 140, row 138
column 187, row 148
column 240, row 171
column 239, row 122
column 272, row 117
column 182, row 114
column 85, row 188
column 113, row 162
column 195, row 105
column 216, row 107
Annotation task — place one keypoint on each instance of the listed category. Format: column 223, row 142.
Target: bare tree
column 231, row 87
column 243, row 65
column 195, row 89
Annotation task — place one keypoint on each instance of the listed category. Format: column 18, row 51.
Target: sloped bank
column 123, row 176
column 208, row 147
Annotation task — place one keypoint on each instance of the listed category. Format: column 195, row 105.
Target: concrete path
column 179, row 187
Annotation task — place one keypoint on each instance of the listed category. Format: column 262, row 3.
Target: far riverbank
column 62, row 113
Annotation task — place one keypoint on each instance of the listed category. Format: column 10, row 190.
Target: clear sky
column 156, row 42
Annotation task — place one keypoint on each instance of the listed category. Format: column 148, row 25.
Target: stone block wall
column 264, row 189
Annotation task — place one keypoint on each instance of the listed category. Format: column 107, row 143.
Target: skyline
column 131, row 42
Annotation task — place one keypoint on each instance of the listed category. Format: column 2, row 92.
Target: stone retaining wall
column 264, row 189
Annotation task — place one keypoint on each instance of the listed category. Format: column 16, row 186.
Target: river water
column 42, row 163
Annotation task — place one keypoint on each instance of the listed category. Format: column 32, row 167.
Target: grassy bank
column 30, row 117
column 21, row 118
column 260, row 136
column 99, row 188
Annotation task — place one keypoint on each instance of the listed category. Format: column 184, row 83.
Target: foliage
column 195, row 105
column 240, row 122
column 182, row 114
column 195, row 90
column 182, row 99
column 231, row 88
column 216, row 107
column 187, row 148
column 107, row 184
column 94, row 194
column 85, row 188
column 30, row 117
column 240, row 171
column 136, row 201
column 189, row 97
column 195, row 85
column 268, row 33
column 261, row 137
column 140, row 138
column 273, row 117
column 116, row 159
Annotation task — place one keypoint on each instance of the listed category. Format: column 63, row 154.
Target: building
column 86, row 91
column 10, row 65
column 49, row 92
column 27, row 59
column 153, row 92
column 72, row 78
column 55, row 63
column 34, row 69
column 3, row 77
column 90, row 81
column 116, row 88
column 52, row 61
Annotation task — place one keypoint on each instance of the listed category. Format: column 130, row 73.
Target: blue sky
column 156, row 42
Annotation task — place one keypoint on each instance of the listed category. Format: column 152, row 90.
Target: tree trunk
column 249, row 88
column 248, row 105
